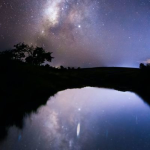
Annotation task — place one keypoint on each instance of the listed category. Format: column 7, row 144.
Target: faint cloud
column 147, row 61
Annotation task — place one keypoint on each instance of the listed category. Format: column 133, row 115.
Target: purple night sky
column 85, row 33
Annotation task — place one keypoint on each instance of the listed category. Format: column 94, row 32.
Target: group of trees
column 143, row 66
column 29, row 54
column 68, row 68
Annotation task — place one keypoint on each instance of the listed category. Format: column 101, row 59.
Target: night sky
column 85, row 33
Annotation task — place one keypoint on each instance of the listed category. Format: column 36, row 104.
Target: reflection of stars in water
column 70, row 143
column 106, row 133
column 19, row 137
column 136, row 120
column 61, row 125
column 78, row 129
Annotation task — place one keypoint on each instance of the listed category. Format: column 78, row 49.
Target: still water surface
column 85, row 119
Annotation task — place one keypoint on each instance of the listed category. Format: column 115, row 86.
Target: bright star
column 79, row 26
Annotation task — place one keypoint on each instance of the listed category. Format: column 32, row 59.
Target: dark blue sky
column 84, row 33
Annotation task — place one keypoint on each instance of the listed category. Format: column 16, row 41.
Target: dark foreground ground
column 23, row 87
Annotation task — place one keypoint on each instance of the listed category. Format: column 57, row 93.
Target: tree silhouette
column 62, row 67
column 148, row 65
column 19, row 51
column 142, row 66
column 28, row 54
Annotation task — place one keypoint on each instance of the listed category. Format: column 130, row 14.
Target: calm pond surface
column 85, row 119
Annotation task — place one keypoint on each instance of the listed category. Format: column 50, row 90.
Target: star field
column 85, row 33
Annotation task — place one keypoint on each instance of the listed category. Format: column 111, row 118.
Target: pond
column 85, row 119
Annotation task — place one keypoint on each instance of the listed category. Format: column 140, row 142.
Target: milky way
column 85, row 33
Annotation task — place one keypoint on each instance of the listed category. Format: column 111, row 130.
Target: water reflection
column 85, row 119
